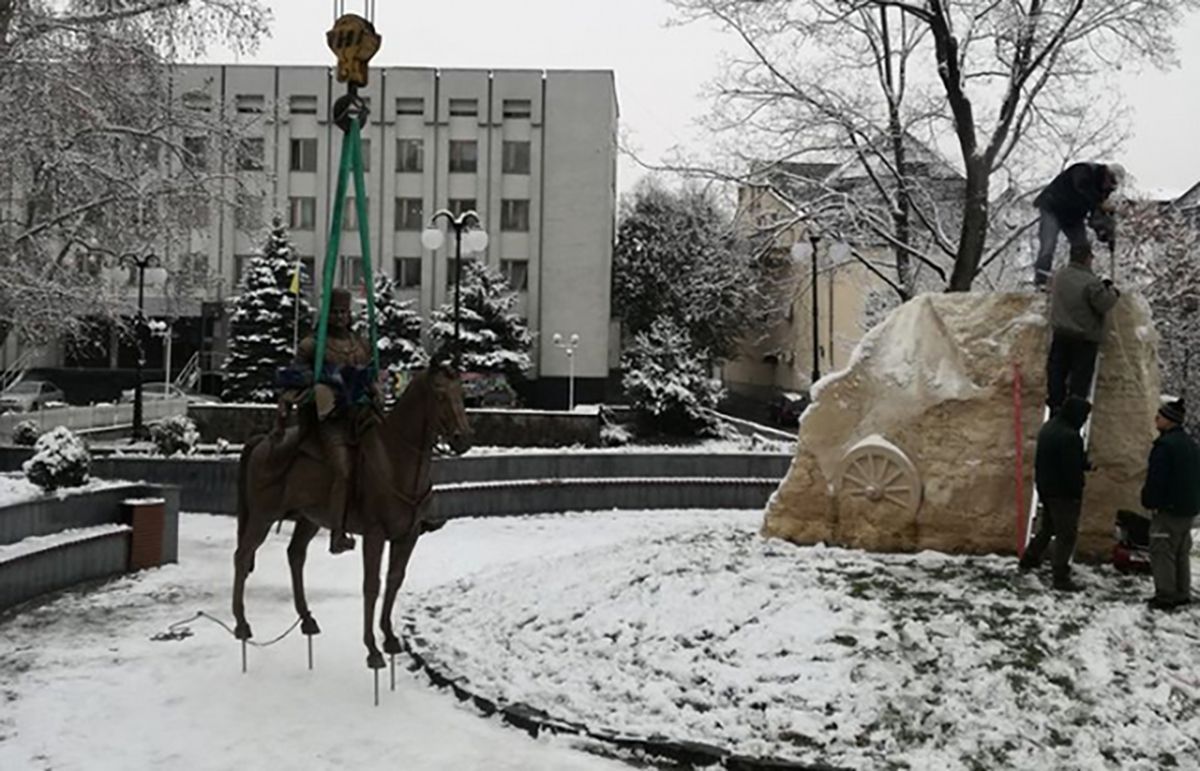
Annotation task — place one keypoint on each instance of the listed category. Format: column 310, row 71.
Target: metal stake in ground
column 392, row 661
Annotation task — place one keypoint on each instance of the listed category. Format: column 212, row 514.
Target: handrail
column 189, row 376
column 16, row 371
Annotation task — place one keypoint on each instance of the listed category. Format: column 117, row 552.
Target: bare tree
column 100, row 153
column 1014, row 86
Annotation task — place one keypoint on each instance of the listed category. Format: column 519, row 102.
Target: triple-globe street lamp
column 569, row 349
column 468, row 234
column 141, row 263
column 810, row 250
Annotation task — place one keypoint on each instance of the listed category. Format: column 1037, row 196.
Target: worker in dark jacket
column 1059, row 464
column 1079, row 304
column 1078, row 193
column 1172, row 493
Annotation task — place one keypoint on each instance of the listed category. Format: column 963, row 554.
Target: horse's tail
column 243, row 508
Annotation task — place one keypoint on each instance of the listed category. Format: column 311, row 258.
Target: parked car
column 30, row 395
column 786, row 408
column 167, row 391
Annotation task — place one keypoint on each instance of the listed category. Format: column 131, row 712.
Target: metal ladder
column 1035, row 505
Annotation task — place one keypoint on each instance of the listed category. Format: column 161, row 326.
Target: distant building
column 533, row 152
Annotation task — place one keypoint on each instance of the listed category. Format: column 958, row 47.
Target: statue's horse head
column 450, row 415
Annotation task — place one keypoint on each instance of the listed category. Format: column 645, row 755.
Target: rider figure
column 347, row 405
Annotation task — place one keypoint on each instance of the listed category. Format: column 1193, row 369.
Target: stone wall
column 936, row 381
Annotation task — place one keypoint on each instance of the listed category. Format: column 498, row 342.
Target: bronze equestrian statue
column 287, row 475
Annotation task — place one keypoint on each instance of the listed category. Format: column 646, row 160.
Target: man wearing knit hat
column 1172, row 493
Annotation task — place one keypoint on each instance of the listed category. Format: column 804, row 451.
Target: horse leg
column 372, row 557
column 399, row 552
column 297, row 550
column 243, row 565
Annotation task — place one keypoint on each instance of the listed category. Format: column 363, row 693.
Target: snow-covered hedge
column 176, row 434
column 60, row 459
column 26, row 433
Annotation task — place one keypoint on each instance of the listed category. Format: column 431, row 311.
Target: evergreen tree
column 398, row 330
column 494, row 338
column 668, row 383
column 260, row 328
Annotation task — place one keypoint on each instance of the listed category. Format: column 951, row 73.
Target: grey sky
column 660, row 70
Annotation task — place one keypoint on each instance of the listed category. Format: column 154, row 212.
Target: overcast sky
column 660, row 70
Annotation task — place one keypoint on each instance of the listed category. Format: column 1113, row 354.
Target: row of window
column 406, row 272
column 410, row 213
column 410, row 155
column 306, row 104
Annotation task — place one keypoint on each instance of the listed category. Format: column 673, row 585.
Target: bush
column 176, row 434
column 60, row 459
column 26, row 433
column 667, row 384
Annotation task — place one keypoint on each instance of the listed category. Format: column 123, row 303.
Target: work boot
column 1065, row 584
column 340, row 542
column 1026, row 565
column 1158, row 603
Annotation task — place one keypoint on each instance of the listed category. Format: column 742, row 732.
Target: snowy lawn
column 15, row 488
column 82, row 685
column 713, row 635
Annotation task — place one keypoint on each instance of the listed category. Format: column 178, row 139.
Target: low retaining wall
column 493, row 427
column 75, row 559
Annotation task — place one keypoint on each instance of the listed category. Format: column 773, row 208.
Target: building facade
column 533, row 152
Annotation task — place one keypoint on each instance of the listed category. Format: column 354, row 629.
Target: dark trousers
column 1059, row 520
column 1069, row 368
column 1049, row 226
column 1171, row 556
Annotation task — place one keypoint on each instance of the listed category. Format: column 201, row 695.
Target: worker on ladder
column 1079, row 304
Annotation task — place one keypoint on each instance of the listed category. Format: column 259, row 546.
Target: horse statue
column 285, row 478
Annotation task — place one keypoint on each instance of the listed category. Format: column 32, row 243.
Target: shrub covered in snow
column 176, row 434
column 667, row 382
column 60, row 459
column 26, row 433
column 494, row 336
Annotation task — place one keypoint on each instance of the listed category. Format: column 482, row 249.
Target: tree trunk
column 973, row 236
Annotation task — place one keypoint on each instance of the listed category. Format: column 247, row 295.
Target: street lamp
column 164, row 330
column 569, row 350
column 475, row 239
column 800, row 251
column 141, row 262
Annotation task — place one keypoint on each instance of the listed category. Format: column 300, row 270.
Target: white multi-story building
column 533, row 152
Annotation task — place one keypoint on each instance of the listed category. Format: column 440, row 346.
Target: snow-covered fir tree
column 667, row 382
column 398, row 330
column 494, row 338
column 261, row 323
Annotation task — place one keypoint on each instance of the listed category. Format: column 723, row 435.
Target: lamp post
column 569, row 350
column 141, row 262
column 476, row 240
column 799, row 252
column 163, row 329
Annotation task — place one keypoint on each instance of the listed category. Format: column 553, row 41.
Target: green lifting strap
column 351, row 161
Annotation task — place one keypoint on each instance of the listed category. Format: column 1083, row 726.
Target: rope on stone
column 181, row 631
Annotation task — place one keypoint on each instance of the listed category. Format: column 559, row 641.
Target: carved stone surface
column 935, row 381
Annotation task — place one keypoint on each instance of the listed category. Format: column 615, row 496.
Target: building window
column 516, row 158
column 410, row 106
column 451, row 265
column 302, row 104
column 251, row 152
column 303, row 155
column 409, row 214
column 195, row 153
column 514, row 215
column 247, row 214
column 191, row 211
column 459, row 205
column 517, row 108
column 249, row 103
column 307, row 275
column 516, row 273
column 408, row 272
column 464, row 155
column 464, row 107
column 352, row 271
column 200, row 101
column 302, row 213
column 410, row 155
column 350, row 213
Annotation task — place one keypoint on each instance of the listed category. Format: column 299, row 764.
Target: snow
column 928, row 660
column 37, row 543
column 15, row 488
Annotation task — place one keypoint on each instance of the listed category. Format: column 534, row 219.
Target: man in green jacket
column 1079, row 303
column 1172, row 492
column 1058, row 471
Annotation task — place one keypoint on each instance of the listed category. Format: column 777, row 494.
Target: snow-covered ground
column 680, row 622
column 15, row 488
column 716, row 636
column 82, row 685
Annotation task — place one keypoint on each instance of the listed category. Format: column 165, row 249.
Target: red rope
column 1020, row 440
